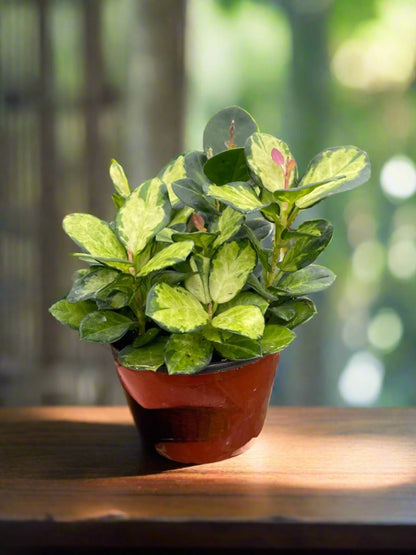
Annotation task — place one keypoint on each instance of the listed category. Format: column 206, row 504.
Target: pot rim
column 212, row 368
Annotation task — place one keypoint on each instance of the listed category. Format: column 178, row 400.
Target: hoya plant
column 205, row 261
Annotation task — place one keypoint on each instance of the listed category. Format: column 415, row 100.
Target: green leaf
column 71, row 314
column 307, row 248
column 246, row 298
column 148, row 357
column 165, row 235
column 242, row 319
column 259, row 149
column 201, row 239
column 187, row 353
column 217, row 130
column 229, row 223
column 87, row 286
column 146, row 338
column 175, row 309
column 232, row 346
column 255, row 284
column 96, row 237
column 260, row 227
column 123, row 265
column 238, row 195
column 311, row 279
column 117, row 294
column 262, row 253
column 119, row 179
column 192, row 194
column 118, row 200
column 197, row 284
column 227, row 166
column 293, row 313
column 174, row 253
column 231, row 266
column 104, row 326
column 172, row 172
column 275, row 339
column 194, row 166
column 181, row 216
column 145, row 212
column 346, row 167
column 170, row 277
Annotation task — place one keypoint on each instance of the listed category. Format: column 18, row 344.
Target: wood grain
column 315, row 478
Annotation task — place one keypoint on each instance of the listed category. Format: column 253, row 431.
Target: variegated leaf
column 96, row 237
column 346, row 167
column 119, row 179
column 246, row 298
column 172, row 172
column 239, row 195
column 175, row 309
column 71, row 314
column 87, row 286
column 104, row 326
column 231, row 266
column 147, row 357
column 307, row 247
column 232, row 346
column 187, row 353
column 145, row 212
column 242, row 319
column 197, row 284
column 174, row 253
column 229, row 223
column 268, row 166
column 311, row 279
column 275, row 338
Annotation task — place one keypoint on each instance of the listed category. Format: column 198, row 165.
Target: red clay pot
column 204, row 418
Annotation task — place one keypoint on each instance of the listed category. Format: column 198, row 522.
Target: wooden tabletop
column 315, row 478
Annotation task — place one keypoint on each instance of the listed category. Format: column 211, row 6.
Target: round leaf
column 231, row 266
column 145, row 212
column 311, row 279
column 96, row 237
column 187, row 353
column 174, row 253
column 104, row 326
column 71, row 314
column 343, row 168
column 242, row 319
column 260, row 149
column 238, row 195
column 175, row 309
column 217, row 133
column 148, row 357
column 275, row 339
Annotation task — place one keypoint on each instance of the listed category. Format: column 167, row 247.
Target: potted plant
column 201, row 278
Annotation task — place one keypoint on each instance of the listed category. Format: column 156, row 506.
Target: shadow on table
column 75, row 450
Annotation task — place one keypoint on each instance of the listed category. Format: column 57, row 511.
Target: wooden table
column 316, row 478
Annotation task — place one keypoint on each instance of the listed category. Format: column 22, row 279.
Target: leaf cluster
column 204, row 261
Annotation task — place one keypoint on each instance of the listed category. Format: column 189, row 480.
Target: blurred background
column 83, row 81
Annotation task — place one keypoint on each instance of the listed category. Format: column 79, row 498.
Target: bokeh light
column 361, row 381
column 385, row 330
column 398, row 177
column 368, row 261
column 401, row 259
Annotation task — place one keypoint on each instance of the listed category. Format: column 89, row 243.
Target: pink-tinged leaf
column 278, row 157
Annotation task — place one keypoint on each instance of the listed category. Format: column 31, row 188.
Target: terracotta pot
column 204, row 418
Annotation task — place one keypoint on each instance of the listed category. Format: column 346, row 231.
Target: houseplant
column 204, row 268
